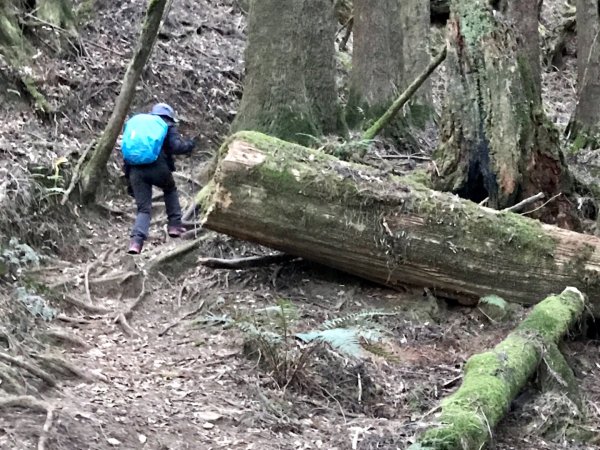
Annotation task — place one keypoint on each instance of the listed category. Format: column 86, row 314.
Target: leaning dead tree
column 389, row 229
column 493, row 379
column 93, row 169
column 496, row 141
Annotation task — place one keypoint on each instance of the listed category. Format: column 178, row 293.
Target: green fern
column 344, row 340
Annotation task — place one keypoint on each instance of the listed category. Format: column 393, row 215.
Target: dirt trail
column 198, row 386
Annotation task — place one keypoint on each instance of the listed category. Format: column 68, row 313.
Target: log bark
column 389, row 229
column 93, row 170
column 494, row 378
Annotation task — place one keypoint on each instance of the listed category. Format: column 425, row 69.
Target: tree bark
column 496, row 141
column 377, row 65
column 93, row 170
column 525, row 17
column 388, row 229
column 493, row 379
column 584, row 127
column 290, row 89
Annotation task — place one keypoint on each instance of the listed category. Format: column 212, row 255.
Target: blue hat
column 162, row 109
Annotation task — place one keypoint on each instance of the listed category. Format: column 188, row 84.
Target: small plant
column 35, row 304
column 17, row 256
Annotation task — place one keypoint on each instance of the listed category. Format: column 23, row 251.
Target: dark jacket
column 174, row 144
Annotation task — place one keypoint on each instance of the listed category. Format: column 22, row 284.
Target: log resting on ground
column 494, row 378
column 389, row 229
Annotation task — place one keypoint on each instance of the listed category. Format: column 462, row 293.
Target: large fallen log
column 389, row 229
column 494, row 378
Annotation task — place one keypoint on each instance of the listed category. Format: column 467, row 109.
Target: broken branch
column 244, row 263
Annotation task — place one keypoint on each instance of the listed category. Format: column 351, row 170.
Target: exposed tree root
column 165, row 259
column 244, row 263
column 77, row 173
column 69, row 319
column 66, row 337
column 10, row 383
column 27, row 401
column 123, row 316
column 31, row 368
column 64, row 367
column 83, row 305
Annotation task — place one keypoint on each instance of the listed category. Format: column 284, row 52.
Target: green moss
column 492, row 379
column 420, row 176
column 476, row 21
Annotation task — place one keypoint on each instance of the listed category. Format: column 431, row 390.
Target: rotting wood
column 494, row 378
column 389, row 229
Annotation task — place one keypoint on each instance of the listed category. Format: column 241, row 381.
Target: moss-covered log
column 496, row 141
column 494, row 378
column 392, row 230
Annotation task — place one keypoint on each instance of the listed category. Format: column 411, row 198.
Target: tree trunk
column 376, row 76
column 388, row 229
column 525, row 17
column 289, row 90
column 493, row 379
column 496, row 142
column 415, row 51
column 93, row 170
column 584, row 126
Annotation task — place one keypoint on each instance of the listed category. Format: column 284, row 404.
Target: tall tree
column 584, row 126
column 496, row 141
column 390, row 49
column 290, row 89
column 92, row 170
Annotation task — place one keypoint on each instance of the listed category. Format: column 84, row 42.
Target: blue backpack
column 143, row 138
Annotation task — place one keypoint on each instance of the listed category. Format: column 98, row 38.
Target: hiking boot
column 176, row 231
column 135, row 247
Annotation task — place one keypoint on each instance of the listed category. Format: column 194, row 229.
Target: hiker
column 148, row 145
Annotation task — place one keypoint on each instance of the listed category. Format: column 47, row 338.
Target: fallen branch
column 244, row 263
column 31, row 368
column 384, row 120
column 543, row 204
column 494, row 378
column 523, row 203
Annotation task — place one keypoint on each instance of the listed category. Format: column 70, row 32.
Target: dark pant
column 142, row 178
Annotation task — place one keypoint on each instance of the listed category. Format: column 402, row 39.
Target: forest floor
column 207, row 382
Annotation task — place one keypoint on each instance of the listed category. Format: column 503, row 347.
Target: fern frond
column 344, row 340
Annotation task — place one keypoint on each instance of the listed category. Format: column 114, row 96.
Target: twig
column 418, row 158
column 34, row 370
column 186, row 316
column 244, row 263
column 528, row 201
column 542, row 205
